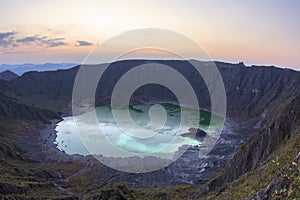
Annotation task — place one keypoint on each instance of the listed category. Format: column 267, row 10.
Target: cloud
column 7, row 39
column 42, row 41
column 31, row 39
column 16, row 52
column 6, row 35
column 83, row 43
column 55, row 42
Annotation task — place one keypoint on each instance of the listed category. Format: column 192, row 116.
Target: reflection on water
column 166, row 139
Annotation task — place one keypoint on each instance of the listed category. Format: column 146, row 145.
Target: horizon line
column 160, row 59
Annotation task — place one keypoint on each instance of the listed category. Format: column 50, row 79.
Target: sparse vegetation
column 250, row 183
column 21, row 177
column 291, row 176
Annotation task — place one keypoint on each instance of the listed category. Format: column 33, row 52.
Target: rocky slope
column 278, row 134
column 13, row 110
column 250, row 90
column 7, row 75
column 261, row 100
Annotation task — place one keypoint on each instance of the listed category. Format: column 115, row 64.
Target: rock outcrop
column 195, row 133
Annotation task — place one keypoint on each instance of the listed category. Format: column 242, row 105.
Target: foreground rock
column 195, row 133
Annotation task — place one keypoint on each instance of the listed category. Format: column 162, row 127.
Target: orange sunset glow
column 54, row 31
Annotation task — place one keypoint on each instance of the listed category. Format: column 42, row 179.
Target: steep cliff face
column 253, row 90
column 265, row 98
column 281, row 131
column 250, row 90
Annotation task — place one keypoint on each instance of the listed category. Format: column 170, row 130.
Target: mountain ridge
column 256, row 97
column 7, row 75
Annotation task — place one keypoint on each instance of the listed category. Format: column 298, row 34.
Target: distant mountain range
column 22, row 68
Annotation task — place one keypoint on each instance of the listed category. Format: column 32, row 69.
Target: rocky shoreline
column 188, row 169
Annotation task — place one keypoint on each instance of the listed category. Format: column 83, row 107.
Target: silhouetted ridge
column 7, row 75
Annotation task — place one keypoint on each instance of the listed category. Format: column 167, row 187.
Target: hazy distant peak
column 26, row 67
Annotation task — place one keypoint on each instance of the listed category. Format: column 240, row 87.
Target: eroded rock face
column 265, row 142
column 250, row 90
column 255, row 95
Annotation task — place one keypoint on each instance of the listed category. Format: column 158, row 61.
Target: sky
column 252, row 31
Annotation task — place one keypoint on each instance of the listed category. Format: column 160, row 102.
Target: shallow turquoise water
column 93, row 137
